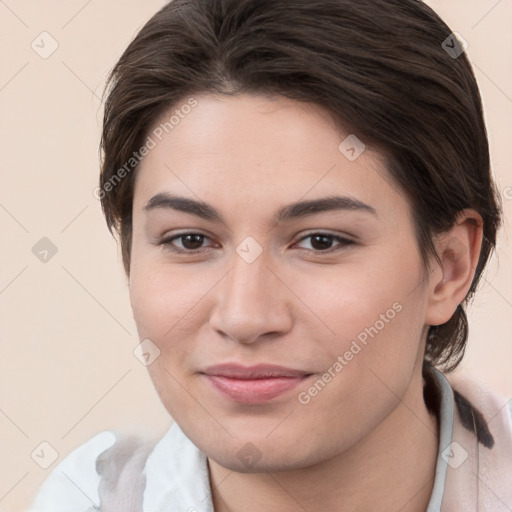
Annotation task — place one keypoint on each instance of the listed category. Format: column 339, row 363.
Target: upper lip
column 260, row 371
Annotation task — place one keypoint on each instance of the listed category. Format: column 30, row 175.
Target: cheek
column 166, row 306
column 371, row 314
column 369, row 361
column 149, row 295
column 163, row 299
column 349, row 300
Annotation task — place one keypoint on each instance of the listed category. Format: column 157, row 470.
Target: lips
column 254, row 384
column 261, row 371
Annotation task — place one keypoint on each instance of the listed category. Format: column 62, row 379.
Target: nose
column 251, row 303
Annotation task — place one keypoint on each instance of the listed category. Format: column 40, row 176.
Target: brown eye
column 324, row 242
column 192, row 242
column 321, row 242
column 185, row 242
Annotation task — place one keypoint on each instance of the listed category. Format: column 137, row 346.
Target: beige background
column 67, row 335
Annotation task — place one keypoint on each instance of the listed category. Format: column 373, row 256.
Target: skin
column 365, row 441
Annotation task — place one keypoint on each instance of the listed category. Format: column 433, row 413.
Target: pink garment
column 482, row 482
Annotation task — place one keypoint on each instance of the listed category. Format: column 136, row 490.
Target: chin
column 255, row 454
column 243, row 461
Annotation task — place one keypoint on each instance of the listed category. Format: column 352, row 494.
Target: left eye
column 323, row 242
column 189, row 242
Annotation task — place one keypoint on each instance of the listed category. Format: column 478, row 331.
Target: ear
column 458, row 250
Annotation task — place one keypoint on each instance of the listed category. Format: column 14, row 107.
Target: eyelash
column 343, row 242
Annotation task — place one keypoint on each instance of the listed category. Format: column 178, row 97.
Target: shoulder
column 483, row 432
column 494, row 409
column 111, row 471
column 73, row 485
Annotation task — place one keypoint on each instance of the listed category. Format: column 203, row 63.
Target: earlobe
column 459, row 251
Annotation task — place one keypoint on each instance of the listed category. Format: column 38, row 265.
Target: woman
column 304, row 201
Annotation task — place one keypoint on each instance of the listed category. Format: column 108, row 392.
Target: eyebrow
column 290, row 211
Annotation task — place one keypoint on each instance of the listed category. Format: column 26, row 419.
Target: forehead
column 248, row 149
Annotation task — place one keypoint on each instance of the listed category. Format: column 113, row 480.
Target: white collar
column 177, row 476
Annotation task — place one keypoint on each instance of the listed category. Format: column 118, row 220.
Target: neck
column 392, row 468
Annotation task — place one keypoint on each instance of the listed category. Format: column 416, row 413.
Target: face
column 280, row 279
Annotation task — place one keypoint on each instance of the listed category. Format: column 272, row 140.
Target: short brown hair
column 389, row 71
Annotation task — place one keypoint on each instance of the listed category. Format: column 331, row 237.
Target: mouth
column 255, row 384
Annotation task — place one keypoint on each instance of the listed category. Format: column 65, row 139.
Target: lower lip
column 254, row 391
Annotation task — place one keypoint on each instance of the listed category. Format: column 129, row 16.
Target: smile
column 253, row 385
